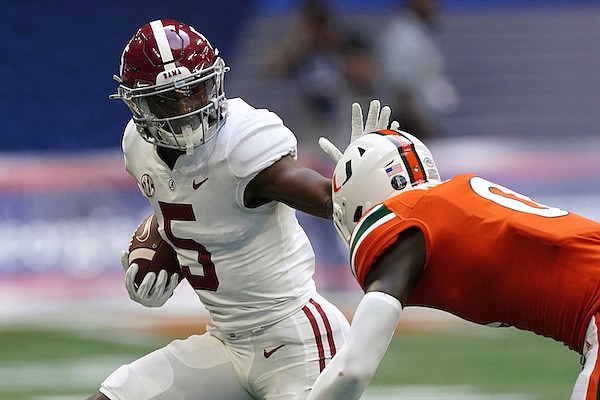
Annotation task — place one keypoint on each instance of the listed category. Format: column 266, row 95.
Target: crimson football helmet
column 374, row 167
column 172, row 81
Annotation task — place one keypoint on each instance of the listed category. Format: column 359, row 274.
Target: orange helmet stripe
column 408, row 154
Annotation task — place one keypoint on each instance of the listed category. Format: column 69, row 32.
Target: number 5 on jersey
column 184, row 212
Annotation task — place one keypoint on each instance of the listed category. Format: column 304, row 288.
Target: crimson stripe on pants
column 317, row 332
column 329, row 332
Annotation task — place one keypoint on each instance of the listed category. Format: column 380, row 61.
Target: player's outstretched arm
column 348, row 374
column 389, row 283
column 293, row 184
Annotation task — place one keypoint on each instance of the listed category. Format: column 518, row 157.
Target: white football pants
column 586, row 386
column 277, row 362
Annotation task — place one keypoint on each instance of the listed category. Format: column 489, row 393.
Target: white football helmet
column 375, row 167
column 172, row 81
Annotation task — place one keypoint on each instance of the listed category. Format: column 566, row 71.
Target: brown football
column 151, row 252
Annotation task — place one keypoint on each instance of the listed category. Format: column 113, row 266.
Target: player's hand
column 154, row 290
column 377, row 119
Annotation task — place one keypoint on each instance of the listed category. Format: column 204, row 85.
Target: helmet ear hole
column 357, row 213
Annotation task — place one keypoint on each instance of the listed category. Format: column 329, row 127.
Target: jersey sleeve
column 261, row 140
column 373, row 235
column 130, row 135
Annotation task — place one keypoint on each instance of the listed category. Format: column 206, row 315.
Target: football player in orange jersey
column 466, row 245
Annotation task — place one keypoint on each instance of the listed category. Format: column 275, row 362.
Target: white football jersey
column 250, row 267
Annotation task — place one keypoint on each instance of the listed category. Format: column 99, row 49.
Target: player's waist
column 241, row 319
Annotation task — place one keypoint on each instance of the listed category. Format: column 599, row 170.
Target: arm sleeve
column 348, row 374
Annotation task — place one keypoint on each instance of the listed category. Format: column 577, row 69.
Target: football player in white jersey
column 223, row 181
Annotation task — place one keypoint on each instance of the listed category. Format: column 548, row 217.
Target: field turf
column 498, row 364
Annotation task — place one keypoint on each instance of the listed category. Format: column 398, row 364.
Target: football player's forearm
column 348, row 374
column 308, row 192
column 289, row 182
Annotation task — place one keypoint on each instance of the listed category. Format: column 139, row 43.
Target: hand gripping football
column 151, row 252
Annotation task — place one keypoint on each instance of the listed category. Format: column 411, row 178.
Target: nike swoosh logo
column 269, row 353
column 197, row 185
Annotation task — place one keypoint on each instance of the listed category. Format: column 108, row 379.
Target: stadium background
column 528, row 77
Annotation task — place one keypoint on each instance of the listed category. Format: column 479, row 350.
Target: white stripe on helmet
column 163, row 43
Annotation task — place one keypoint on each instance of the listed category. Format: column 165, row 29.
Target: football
column 151, row 252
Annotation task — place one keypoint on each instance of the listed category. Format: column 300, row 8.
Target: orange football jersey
column 494, row 256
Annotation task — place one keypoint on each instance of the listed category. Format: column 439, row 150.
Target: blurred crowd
column 334, row 65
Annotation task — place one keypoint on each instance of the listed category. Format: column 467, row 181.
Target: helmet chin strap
column 187, row 136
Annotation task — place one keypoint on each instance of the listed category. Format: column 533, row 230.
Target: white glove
column 329, row 148
column 154, row 290
column 377, row 119
column 125, row 260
